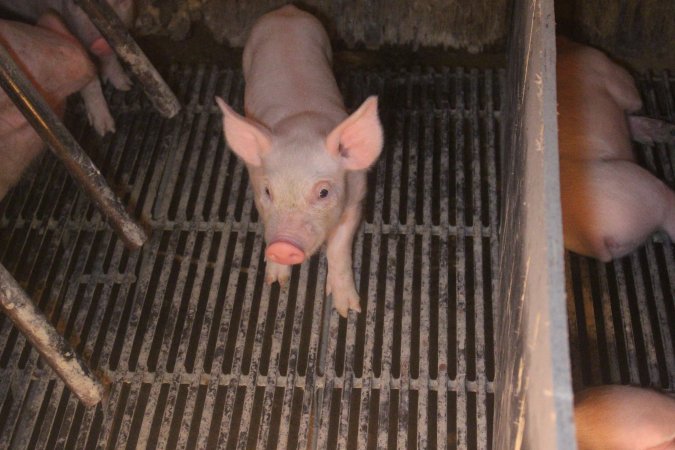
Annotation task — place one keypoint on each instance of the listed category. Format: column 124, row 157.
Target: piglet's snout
column 284, row 252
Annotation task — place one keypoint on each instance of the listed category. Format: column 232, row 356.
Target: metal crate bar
column 58, row 354
column 115, row 33
column 52, row 131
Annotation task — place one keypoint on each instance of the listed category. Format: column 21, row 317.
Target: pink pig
column 306, row 157
column 78, row 24
column 624, row 418
column 58, row 65
column 610, row 205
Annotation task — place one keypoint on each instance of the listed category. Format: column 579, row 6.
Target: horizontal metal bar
column 256, row 227
column 50, row 128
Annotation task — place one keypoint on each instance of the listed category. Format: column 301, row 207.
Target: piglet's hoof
column 97, row 109
column 344, row 297
column 101, row 120
column 277, row 272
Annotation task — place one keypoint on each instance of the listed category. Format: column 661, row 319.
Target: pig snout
column 284, row 252
column 100, row 47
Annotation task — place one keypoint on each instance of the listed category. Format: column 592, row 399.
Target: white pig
column 79, row 24
column 610, row 205
column 58, row 65
column 306, row 157
column 624, row 418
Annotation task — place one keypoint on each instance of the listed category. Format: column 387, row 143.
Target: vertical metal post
column 54, row 349
column 50, row 128
column 114, row 31
column 533, row 383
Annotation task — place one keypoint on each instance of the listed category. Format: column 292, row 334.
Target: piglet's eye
column 267, row 192
column 323, row 193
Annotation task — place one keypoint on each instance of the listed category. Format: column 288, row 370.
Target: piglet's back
column 287, row 66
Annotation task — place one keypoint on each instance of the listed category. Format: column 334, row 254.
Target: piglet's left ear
column 358, row 139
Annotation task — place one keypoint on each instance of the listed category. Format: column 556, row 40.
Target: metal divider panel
column 533, row 379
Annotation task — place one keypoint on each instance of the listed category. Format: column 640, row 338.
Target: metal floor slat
column 198, row 351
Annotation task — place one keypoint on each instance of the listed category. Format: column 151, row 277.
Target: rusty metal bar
column 50, row 128
column 114, row 31
column 51, row 345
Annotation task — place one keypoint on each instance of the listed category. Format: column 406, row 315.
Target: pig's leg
column 111, row 69
column 87, row 33
column 647, row 131
column 621, row 87
column 277, row 272
column 97, row 109
column 340, row 281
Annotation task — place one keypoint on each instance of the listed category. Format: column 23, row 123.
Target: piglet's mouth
column 284, row 251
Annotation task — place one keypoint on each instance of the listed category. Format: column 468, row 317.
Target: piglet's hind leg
column 97, row 109
column 111, row 69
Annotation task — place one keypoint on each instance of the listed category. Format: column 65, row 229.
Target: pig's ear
column 246, row 138
column 358, row 139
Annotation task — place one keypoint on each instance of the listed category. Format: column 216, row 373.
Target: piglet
column 624, row 418
column 610, row 205
column 58, row 65
column 305, row 156
column 86, row 32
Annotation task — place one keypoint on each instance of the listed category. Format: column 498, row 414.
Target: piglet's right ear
column 358, row 139
column 246, row 138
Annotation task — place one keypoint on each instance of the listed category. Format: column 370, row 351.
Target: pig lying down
column 79, row 24
column 624, row 418
column 58, row 65
column 610, row 205
column 305, row 156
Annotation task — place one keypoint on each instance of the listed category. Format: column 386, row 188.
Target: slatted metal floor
column 622, row 314
column 197, row 350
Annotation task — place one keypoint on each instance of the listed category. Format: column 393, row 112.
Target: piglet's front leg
column 277, row 272
column 340, row 283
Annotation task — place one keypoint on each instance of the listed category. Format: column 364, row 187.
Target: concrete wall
column 640, row 32
column 630, row 30
column 472, row 25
